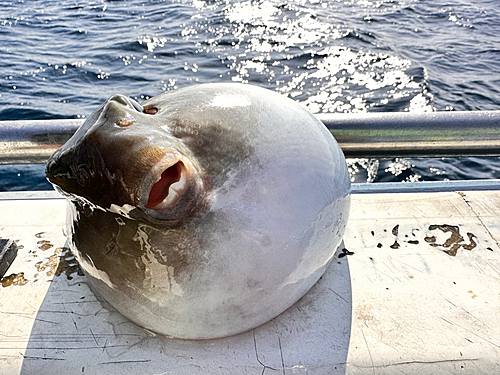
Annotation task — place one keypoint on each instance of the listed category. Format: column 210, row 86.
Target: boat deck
column 414, row 288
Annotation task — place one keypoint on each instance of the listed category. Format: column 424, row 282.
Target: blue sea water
column 62, row 59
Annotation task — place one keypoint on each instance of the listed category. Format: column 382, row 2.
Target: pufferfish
column 203, row 212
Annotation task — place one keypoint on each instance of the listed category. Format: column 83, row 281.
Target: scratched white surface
column 412, row 309
column 417, row 309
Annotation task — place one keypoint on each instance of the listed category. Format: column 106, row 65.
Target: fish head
column 125, row 159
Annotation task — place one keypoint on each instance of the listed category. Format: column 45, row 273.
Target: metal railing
column 33, row 141
column 367, row 135
column 428, row 134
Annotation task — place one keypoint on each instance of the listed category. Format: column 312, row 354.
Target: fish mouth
column 168, row 190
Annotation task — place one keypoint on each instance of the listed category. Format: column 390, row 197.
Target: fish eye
column 151, row 110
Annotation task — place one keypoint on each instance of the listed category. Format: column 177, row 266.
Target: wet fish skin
column 259, row 204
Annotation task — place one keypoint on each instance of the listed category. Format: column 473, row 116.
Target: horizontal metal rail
column 425, row 186
column 363, row 135
column 429, row 134
column 356, row 188
column 33, row 141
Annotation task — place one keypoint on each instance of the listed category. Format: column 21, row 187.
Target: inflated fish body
column 206, row 211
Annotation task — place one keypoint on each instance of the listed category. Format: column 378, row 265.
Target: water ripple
column 62, row 59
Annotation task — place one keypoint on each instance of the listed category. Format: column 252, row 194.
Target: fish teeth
column 179, row 186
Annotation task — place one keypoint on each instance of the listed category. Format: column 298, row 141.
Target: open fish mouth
column 168, row 190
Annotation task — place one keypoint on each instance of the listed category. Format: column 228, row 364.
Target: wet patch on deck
column 60, row 262
column 14, row 279
column 452, row 242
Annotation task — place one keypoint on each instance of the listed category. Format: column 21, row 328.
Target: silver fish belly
column 206, row 211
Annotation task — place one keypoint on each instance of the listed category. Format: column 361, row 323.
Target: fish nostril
column 125, row 123
column 151, row 110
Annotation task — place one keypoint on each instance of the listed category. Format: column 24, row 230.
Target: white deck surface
column 412, row 309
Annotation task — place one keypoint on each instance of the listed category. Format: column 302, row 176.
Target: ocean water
column 62, row 59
